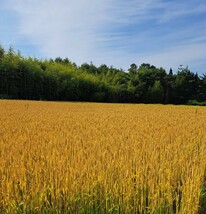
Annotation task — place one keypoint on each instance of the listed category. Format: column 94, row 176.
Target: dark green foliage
column 196, row 103
column 185, row 86
column 60, row 79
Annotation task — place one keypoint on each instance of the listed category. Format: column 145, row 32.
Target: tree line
column 62, row 80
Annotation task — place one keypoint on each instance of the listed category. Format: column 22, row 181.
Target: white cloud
column 115, row 32
column 60, row 27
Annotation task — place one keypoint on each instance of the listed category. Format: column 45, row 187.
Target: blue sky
column 165, row 33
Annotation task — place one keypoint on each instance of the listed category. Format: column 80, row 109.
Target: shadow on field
column 202, row 203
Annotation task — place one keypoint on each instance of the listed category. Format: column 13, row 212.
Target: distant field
column 101, row 158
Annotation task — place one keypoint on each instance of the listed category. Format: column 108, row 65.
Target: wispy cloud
column 116, row 32
column 59, row 27
column 181, row 55
column 182, row 9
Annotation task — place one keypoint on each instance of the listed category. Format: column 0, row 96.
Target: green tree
column 133, row 69
column 156, row 93
column 201, row 89
column 145, row 79
column 185, row 86
column 2, row 51
column 169, row 86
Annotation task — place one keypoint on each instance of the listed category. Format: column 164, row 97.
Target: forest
column 60, row 79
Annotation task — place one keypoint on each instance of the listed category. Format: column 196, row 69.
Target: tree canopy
column 62, row 80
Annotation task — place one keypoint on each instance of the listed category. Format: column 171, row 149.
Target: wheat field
column 58, row 157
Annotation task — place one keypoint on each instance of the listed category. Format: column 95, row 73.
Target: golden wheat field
column 101, row 158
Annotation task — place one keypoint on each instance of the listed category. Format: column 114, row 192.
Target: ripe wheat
column 101, row 158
